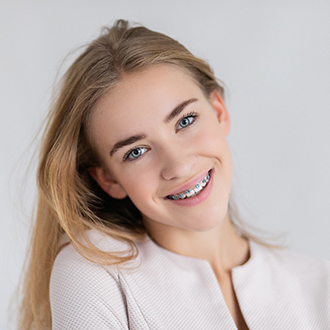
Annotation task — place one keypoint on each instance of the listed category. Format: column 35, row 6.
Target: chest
column 177, row 301
column 229, row 295
column 186, row 294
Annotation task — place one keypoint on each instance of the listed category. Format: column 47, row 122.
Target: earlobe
column 107, row 183
column 221, row 111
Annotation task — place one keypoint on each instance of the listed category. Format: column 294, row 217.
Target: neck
column 222, row 247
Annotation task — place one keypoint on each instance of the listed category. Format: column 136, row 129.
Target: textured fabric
column 276, row 289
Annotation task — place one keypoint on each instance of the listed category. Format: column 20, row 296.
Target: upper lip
column 190, row 184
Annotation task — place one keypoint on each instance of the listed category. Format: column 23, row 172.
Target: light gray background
column 274, row 58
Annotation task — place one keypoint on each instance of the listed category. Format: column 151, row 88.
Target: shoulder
column 70, row 265
column 84, row 294
column 279, row 281
column 295, row 272
column 292, row 261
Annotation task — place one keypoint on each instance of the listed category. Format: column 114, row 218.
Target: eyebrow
column 132, row 139
column 178, row 109
column 127, row 142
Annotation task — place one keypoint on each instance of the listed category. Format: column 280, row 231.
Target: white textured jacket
column 275, row 288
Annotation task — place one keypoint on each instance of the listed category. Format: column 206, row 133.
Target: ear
column 221, row 111
column 107, row 183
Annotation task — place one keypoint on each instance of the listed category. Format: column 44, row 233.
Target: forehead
column 139, row 100
column 143, row 87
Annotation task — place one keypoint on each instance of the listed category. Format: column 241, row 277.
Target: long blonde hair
column 69, row 201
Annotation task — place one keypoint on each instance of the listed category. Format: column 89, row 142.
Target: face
column 163, row 144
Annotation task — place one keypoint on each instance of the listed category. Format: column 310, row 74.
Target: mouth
column 193, row 191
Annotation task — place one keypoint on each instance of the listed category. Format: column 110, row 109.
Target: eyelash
column 127, row 154
column 188, row 115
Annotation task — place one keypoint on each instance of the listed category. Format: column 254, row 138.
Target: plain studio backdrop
column 274, row 57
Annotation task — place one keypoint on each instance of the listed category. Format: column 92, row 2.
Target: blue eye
column 135, row 153
column 186, row 121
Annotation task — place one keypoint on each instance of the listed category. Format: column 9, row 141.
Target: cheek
column 211, row 140
column 139, row 185
column 142, row 194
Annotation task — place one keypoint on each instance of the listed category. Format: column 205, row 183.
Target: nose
column 178, row 162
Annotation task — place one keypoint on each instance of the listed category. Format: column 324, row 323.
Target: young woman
column 133, row 229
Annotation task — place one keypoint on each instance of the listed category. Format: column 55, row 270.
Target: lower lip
column 201, row 197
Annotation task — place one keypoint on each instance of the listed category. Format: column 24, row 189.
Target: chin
column 208, row 221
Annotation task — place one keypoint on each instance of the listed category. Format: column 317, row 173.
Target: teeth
column 193, row 191
column 190, row 193
column 198, row 188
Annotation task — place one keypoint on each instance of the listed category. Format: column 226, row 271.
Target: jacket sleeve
column 84, row 295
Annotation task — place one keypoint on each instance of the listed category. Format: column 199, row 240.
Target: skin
column 172, row 154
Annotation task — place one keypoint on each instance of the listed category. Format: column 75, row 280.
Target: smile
column 199, row 187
